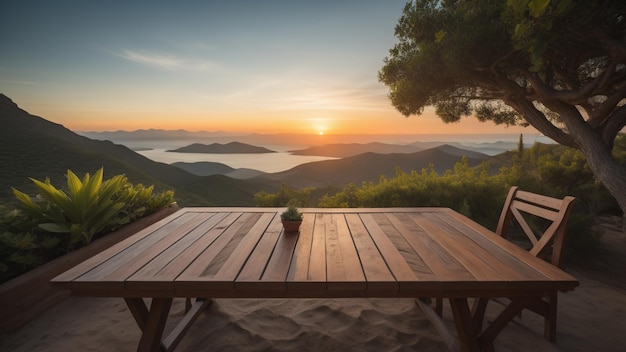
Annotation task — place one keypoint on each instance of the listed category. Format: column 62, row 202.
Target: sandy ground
column 591, row 318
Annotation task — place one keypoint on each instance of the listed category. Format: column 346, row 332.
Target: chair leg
column 550, row 318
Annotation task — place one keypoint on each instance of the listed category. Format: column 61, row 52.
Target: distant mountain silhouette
column 152, row 134
column 204, row 168
column 218, row 148
column 31, row 146
column 342, row 150
column 368, row 167
column 306, row 140
column 207, row 168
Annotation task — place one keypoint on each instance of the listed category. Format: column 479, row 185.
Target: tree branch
column 614, row 125
column 607, row 77
column 567, row 96
column 604, row 110
column 538, row 120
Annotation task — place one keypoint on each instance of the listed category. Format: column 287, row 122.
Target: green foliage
column 479, row 192
column 82, row 212
column 470, row 191
column 57, row 221
column 22, row 245
column 557, row 65
column 285, row 195
column 532, row 23
column 291, row 214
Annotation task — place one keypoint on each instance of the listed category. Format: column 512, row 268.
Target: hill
column 207, row 168
column 218, row 148
column 204, row 168
column 31, row 146
column 368, row 167
column 342, row 150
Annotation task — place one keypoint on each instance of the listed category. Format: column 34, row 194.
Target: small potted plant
column 291, row 219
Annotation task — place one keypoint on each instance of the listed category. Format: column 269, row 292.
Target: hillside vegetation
column 479, row 191
column 32, row 147
column 470, row 182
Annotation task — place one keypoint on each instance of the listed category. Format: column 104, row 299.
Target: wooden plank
column 563, row 281
column 202, row 269
column 521, row 220
column 533, row 209
column 317, row 261
column 280, row 261
column 378, row 276
column 449, row 272
column 475, row 259
column 514, row 268
column 299, row 268
column 235, row 261
column 118, row 268
column 259, row 258
column 546, row 201
column 343, row 267
column 103, row 256
column 313, row 283
column 406, row 266
column 161, row 272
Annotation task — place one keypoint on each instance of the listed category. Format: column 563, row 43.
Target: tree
column 558, row 65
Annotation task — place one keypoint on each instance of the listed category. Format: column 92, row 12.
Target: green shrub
column 56, row 221
column 90, row 206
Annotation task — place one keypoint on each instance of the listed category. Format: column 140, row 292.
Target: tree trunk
column 601, row 162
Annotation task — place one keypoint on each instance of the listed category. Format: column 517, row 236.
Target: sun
column 320, row 124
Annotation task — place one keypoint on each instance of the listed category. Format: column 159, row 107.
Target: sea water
column 282, row 159
column 266, row 162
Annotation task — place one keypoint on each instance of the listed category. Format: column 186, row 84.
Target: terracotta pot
column 291, row 225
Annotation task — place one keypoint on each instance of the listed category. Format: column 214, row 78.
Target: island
column 218, row 148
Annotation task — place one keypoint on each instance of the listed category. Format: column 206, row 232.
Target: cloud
column 298, row 92
column 168, row 62
column 30, row 83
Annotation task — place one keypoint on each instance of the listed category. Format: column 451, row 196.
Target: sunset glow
column 257, row 67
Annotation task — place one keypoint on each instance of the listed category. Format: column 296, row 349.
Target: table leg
column 151, row 322
column 139, row 310
column 479, row 308
column 464, row 324
column 516, row 305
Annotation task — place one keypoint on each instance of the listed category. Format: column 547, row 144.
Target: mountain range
column 34, row 147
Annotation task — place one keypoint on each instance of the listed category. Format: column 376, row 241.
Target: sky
column 246, row 66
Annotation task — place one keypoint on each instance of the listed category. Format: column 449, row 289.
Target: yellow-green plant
column 83, row 211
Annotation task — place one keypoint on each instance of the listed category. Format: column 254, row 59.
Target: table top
column 362, row 252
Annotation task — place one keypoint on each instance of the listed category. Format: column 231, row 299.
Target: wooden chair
column 523, row 207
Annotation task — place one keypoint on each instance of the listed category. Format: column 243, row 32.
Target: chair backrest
column 520, row 204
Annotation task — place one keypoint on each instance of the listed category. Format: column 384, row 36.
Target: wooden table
column 243, row 253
